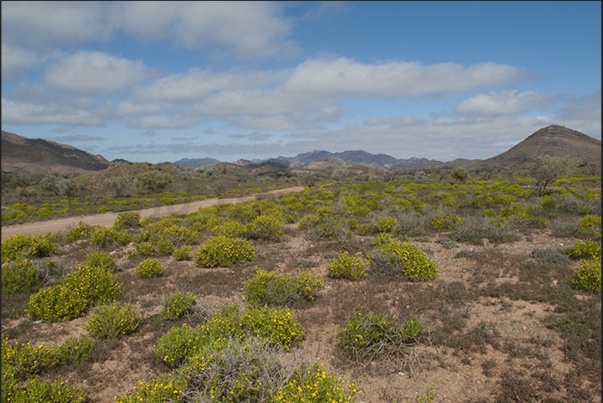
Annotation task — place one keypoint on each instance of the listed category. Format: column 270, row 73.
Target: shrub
column 145, row 249
column 82, row 231
column 26, row 245
column 397, row 258
column 312, row 383
column 446, row 222
column 266, row 227
column 149, row 268
column 277, row 326
column 346, row 266
column 20, row 276
column 128, row 219
column 183, row 253
column 152, row 180
column 266, row 288
column 370, row 336
column 177, row 344
column 48, row 391
column 585, row 250
column 103, row 237
column 43, row 212
column 165, row 247
column 113, row 321
column 177, row 304
column 165, row 388
column 231, row 229
column 90, row 284
column 588, row 277
column 224, row 251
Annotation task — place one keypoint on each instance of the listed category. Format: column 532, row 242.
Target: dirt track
column 107, row 219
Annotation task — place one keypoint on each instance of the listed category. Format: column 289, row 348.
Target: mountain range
column 23, row 156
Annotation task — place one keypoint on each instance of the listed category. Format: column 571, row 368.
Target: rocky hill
column 23, row 156
column 554, row 140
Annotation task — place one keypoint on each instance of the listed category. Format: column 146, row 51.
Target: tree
column 50, row 183
column 548, row 168
column 152, row 180
column 117, row 184
column 67, row 187
column 460, row 174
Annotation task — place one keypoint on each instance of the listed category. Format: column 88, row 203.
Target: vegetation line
column 107, row 219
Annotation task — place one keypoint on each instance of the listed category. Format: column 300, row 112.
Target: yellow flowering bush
column 47, row 391
column 224, row 251
column 82, row 231
column 177, row 304
column 182, row 253
column 26, row 245
column 149, row 268
column 446, row 222
column 20, row 276
column 585, row 250
column 267, row 288
column 346, row 266
column 178, row 344
column 397, row 258
column 113, row 321
column 128, row 219
column 588, row 277
column 159, row 390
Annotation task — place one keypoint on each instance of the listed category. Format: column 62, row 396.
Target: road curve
column 107, row 219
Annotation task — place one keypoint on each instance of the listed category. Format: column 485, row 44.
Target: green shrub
column 145, row 249
column 224, row 251
column 103, row 237
column 346, row 266
column 311, row 383
column 177, row 304
column 53, row 304
column 446, row 222
column 397, row 258
column 82, row 231
column 183, row 253
column 178, row 344
column 588, row 277
column 266, row 227
column 370, row 336
column 231, row 229
column 149, row 268
column 91, row 283
column 386, row 224
column 165, row 247
column 585, row 250
column 26, row 245
column 20, row 276
column 267, row 288
column 48, row 391
column 44, row 212
column 113, row 321
column 277, row 326
column 165, row 388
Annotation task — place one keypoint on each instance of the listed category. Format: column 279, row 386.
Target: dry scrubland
column 374, row 291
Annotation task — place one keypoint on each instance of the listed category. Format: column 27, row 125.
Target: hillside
column 23, row 156
column 554, row 140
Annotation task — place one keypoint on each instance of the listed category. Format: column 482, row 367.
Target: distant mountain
column 23, row 156
column 554, row 140
column 197, row 162
column 358, row 157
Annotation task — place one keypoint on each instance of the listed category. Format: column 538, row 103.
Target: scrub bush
column 397, row 259
column 224, row 251
column 267, row 288
column 346, row 266
column 588, row 277
column 20, row 276
column 177, row 304
column 585, row 250
column 149, row 268
column 26, row 245
column 113, row 321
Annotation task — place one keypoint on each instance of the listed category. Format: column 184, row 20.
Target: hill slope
column 23, row 156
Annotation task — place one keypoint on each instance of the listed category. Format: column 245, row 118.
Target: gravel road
column 107, row 219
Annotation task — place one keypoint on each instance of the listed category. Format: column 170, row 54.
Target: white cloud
column 30, row 114
column 251, row 29
column 502, row 103
column 587, row 107
column 95, row 74
column 342, row 76
column 272, row 123
column 39, row 23
column 16, row 61
column 163, row 122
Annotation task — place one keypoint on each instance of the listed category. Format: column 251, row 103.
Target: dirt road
column 107, row 219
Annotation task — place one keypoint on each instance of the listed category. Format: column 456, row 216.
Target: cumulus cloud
column 582, row 108
column 272, row 123
column 95, row 74
column 40, row 23
column 342, row 76
column 16, row 61
column 31, row 114
column 250, row 29
column 163, row 122
column 502, row 103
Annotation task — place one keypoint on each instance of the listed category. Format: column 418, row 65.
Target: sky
column 161, row 81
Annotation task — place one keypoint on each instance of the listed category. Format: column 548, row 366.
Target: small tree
column 117, row 184
column 50, row 183
column 152, row 180
column 460, row 174
column 548, row 168
column 67, row 187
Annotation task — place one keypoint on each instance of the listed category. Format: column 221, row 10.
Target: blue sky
column 161, row 81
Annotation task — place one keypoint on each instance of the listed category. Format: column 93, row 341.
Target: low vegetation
column 362, row 289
